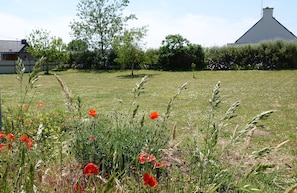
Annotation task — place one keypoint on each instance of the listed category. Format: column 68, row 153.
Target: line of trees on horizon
column 103, row 41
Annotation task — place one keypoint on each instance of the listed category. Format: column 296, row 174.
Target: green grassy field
column 257, row 91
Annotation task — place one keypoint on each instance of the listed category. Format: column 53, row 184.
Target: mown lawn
column 257, row 91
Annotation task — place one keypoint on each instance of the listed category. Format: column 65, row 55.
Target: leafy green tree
column 100, row 21
column 177, row 53
column 77, row 46
column 128, row 48
column 41, row 44
column 151, row 57
column 39, row 41
column 79, row 54
column 172, row 52
column 197, row 56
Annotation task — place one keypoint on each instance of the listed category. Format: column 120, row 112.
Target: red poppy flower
column 2, row 135
column 30, row 143
column 146, row 158
column 10, row 137
column 25, row 107
column 92, row 138
column 24, row 138
column 2, row 146
column 92, row 113
column 90, row 169
column 76, row 186
column 149, row 180
column 27, row 140
column 9, row 146
column 154, row 115
column 41, row 104
column 161, row 164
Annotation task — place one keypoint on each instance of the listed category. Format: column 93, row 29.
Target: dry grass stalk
column 66, row 92
column 291, row 189
column 249, row 136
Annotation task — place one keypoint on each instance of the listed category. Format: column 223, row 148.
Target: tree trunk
column 132, row 68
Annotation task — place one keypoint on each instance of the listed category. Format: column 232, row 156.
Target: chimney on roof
column 267, row 12
column 23, row 41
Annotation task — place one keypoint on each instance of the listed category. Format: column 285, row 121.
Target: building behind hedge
column 267, row 28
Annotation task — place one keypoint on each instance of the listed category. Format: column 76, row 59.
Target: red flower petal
column 152, row 182
column 41, row 104
column 2, row 146
column 146, row 178
column 76, row 186
column 154, row 115
column 149, row 180
column 2, row 135
column 143, row 158
column 146, row 158
column 152, row 158
column 91, row 169
column 92, row 113
column 30, row 143
column 161, row 164
column 27, row 140
column 24, row 138
column 92, row 138
column 10, row 136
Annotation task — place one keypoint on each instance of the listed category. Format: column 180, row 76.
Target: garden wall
column 9, row 66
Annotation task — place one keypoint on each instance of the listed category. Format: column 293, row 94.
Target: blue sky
column 205, row 22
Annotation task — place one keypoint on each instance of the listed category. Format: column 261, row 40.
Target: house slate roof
column 267, row 28
column 12, row 46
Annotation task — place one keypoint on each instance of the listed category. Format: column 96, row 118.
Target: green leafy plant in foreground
column 31, row 136
column 212, row 167
column 115, row 141
column 17, row 167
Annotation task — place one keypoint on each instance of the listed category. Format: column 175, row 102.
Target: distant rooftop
column 12, row 46
column 267, row 28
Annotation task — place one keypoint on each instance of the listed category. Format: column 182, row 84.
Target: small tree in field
column 41, row 44
column 128, row 48
column 100, row 21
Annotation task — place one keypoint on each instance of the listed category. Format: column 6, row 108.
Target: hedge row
column 274, row 55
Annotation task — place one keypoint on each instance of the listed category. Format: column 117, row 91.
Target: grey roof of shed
column 12, row 46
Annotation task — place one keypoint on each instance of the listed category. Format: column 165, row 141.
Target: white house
column 267, row 28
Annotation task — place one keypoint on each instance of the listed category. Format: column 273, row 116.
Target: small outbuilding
column 267, row 28
column 12, row 49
